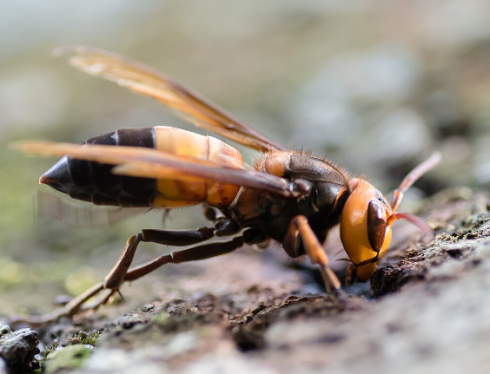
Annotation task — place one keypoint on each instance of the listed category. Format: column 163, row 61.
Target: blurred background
column 374, row 85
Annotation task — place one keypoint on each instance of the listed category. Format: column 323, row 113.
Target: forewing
column 150, row 163
column 146, row 81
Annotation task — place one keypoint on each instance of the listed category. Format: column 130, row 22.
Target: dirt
column 427, row 311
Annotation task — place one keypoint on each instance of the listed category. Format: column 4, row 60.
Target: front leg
column 299, row 228
column 351, row 275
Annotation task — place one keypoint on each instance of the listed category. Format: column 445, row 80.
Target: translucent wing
column 49, row 206
column 146, row 81
column 150, row 163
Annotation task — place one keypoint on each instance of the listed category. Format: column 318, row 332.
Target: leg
column 165, row 237
column 120, row 272
column 299, row 227
column 197, row 253
column 223, row 227
column 351, row 275
column 202, row 252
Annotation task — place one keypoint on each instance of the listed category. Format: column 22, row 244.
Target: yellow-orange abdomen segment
column 354, row 229
column 174, row 193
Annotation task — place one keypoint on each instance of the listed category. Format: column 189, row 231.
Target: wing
column 49, row 206
column 145, row 81
column 150, row 163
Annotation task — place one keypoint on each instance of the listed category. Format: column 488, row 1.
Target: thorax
column 272, row 213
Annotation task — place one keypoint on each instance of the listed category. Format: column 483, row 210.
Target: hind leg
column 121, row 272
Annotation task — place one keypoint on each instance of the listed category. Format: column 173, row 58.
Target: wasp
column 291, row 197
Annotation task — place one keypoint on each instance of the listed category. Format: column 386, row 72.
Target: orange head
column 365, row 223
column 364, row 227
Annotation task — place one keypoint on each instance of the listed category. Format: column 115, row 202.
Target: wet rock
column 17, row 349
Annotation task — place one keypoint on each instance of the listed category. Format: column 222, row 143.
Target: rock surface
column 17, row 350
column 430, row 314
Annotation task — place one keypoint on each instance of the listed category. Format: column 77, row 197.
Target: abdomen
column 94, row 182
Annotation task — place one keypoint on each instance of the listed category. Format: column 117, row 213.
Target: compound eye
column 376, row 222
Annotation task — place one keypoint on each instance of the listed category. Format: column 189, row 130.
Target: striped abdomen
column 94, row 182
